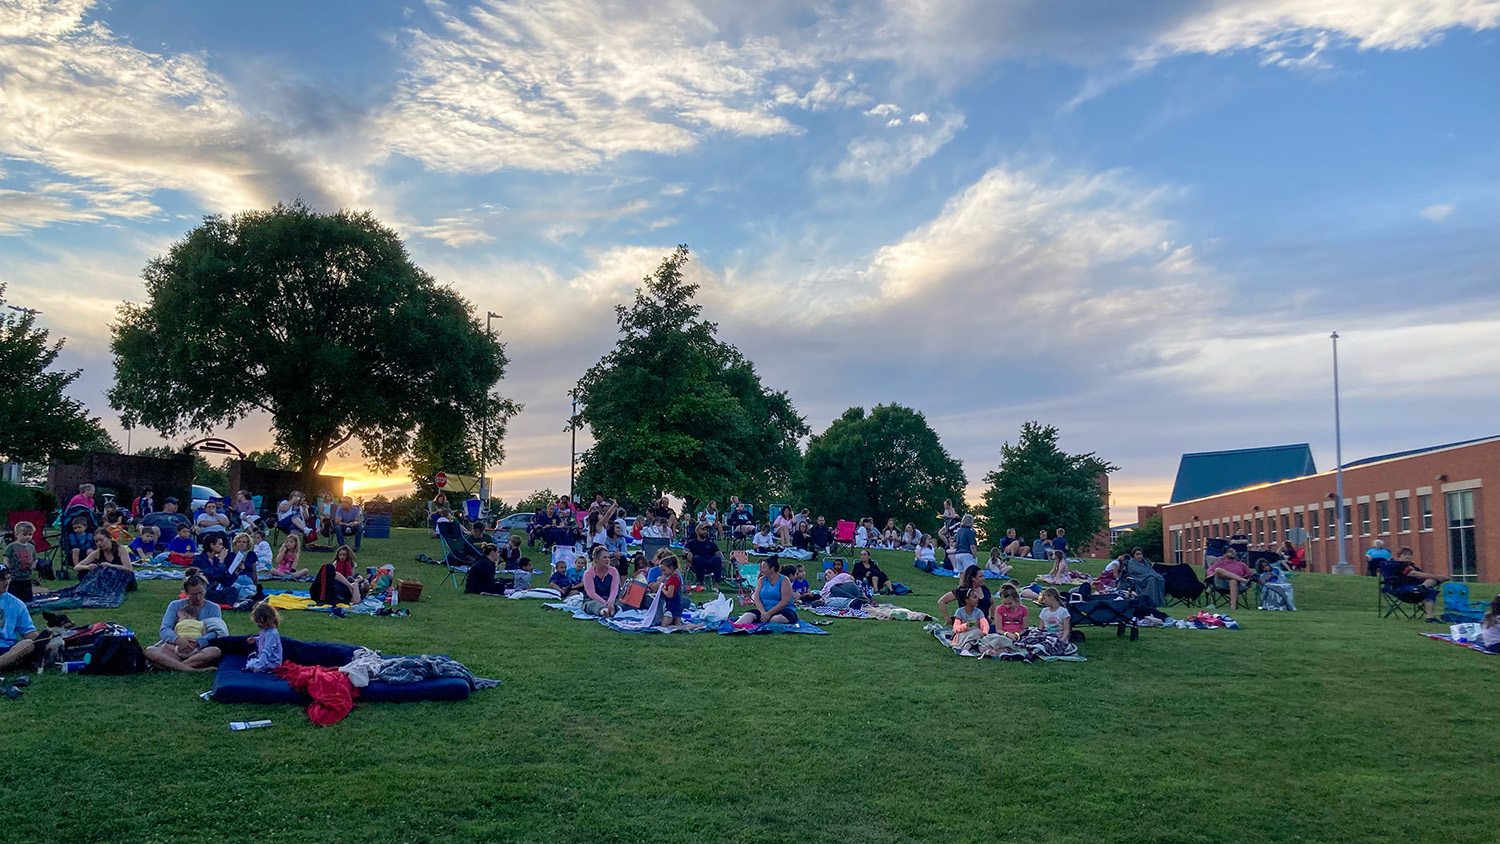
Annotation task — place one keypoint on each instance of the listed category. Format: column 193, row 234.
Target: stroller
column 71, row 541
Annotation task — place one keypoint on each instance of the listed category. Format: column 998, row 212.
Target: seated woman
column 174, row 653
column 1293, row 557
column 482, row 579
column 910, row 538
column 1112, row 572
column 107, row 553
column 868, row 572
column 926, row 557
column 614, row 538
column 292, row 515
column 763, row 542
column 1143, row 579
column 601, row 583
column 213, row 563
column 704, row 558
column 772, row 597
column 802, row 538
column 784, row 525
column 971, row 579
column 1275, row 589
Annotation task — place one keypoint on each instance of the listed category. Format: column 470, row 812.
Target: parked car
column 202, row 495
column 515, row 521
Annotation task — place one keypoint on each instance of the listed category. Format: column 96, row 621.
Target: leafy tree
column 887, row 464
column 270, row 459
column 319, row 320
column 1145, row 536
column 540, row 498
column 674, row 410
column 1039, row 487
column 445, row 443
column 38, row 423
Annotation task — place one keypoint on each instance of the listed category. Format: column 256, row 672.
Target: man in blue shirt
column 1060, row 542
column 347, row 521
column 1041, row 546
column 17, row 631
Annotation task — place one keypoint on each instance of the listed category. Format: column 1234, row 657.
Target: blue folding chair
column 1457, row 608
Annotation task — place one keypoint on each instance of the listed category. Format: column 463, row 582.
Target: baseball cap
column 170, row 500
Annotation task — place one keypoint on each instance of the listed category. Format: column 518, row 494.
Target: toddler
column 188, row 626
column 267, row 642
column 800, row 586
column 20, row 558
column 262, row 550
column 671, row 589
column 560, row 580
column 521, row 577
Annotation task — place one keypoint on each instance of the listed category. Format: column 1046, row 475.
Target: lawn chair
column 843, row 535
column 652, row 545
column 1396, row 597
column 39, row 539
column 1457, row 608
column 1183, row 588
column 1104, row 610
column 458, row 552
column 828, row 563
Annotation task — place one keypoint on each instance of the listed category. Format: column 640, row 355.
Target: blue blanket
column 988, row 575
column 727, row 628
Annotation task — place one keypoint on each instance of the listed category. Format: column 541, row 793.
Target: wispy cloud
column 1436, row 213
column 884, row 157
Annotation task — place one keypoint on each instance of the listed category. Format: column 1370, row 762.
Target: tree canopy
column 887, row 464
column 1040, row 487
column 322, row 321
column 38, row 421
column 1145, row 536
column 674, row 410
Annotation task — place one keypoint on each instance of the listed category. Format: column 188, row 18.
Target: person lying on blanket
column 772, row 597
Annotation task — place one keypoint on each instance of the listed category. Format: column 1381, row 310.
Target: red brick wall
column 1475, row 468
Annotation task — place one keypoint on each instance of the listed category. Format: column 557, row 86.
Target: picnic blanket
column 697, row 618
column 301, row 599
column 785, row 554
column 158, row 574
column 544, row 592
column 988, row 575
column 1473, row 646
column 728, row 628
column 1034, row 644
column 883, row 612
column 1205, row 621
column 101, row 589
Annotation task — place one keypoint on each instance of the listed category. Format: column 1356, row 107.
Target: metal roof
column 1206, row 473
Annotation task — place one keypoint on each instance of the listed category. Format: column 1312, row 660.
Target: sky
column 1138, row 222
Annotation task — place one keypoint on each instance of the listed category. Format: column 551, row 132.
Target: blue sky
column 1138, row 221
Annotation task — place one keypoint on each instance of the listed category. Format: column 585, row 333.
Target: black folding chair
column 1183, row 588
column 1397, row 596
column 458, row 552
column 1110, row 610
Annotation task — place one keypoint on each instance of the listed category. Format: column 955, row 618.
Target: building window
column 1461, row 551
column 1273, row 530
column 1298, row 519
column 1177, row 546
column 1364, row 519
column 1383, row 514
column 1260, row 531
column 1316, row 529
column 1424, row 506
column 1403, row 514
column 1286, row 522
column 1348, row 519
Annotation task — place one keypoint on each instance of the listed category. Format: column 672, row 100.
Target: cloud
column 565, row 85
column 884, row 109
column 880, row 159
column 1436, row 213
column 105, row 126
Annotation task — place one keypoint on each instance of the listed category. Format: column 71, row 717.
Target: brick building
column 1443, row 502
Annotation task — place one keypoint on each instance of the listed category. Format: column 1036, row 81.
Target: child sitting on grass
column 148, row 547
column 1055, row 617
column 267, row 642
column 560, row 580
column 970, row 616
column 1489, row 627
column 764, row 542
column 1011, row 613
column 800, row 587
column 997, row 563
column 182, row 549
column 1059, row 571
column 262, row 550
column 289, row 556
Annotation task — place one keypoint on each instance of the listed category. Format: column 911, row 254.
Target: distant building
column 1432, row 500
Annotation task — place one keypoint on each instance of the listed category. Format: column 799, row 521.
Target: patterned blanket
column 1444, row 637
column 884, row 612
column 1034, row 644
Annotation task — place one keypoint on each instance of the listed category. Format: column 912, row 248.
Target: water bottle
column 73, row 666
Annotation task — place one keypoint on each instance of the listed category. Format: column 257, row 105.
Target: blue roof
column 1411, row 452
column 1207, row 473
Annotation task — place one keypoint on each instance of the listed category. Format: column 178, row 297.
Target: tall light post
column 1342, row 566
column 573, row 458
column 484, row 430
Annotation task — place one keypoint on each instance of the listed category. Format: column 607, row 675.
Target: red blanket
column 332, row 693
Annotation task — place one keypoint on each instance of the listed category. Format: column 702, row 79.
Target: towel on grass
column 301, row 599
column 368, row 665
column 988, row 575
column 158, row 574
column 1206, row 621
column 1445, row 637
column 785, row 554
column 101, row 589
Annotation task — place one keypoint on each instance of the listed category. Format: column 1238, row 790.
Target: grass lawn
column 1323, row 725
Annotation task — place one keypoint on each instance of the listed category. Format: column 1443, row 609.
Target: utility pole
column 484, row 430
column 1342, row 566
column 573, row 459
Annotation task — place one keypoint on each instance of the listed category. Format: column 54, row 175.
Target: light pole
column 573, row 458
column 484, row 430
column 1342, row 566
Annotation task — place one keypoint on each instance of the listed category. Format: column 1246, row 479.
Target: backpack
column 115, row 652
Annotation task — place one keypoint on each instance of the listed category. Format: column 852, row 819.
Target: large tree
column 38, row 421
column 887, row 464
column 674, row 410
column 1145, row 536
column 1039, row 487
column 322, row 321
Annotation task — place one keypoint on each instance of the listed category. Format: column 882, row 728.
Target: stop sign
column 440, row 480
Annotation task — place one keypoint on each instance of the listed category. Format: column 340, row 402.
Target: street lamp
column 484, row 430
column 1342, row 566
column 573, row 459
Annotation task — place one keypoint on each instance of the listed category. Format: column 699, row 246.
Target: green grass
column 1324, row 725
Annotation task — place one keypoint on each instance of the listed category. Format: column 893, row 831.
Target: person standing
column 965, row 543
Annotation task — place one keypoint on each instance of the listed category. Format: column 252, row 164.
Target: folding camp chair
column 1104, row 610
column 39, row 540
column 1215, row 595
column 458, row 552
column 1182, row 584
column 843, row 535
column 1396, row 597
column 828, row 566
column 653, row 545
column 1457, row 608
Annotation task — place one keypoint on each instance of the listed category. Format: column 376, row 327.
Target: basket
column 408, row 590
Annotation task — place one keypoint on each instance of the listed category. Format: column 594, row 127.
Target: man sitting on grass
column 17, row 631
